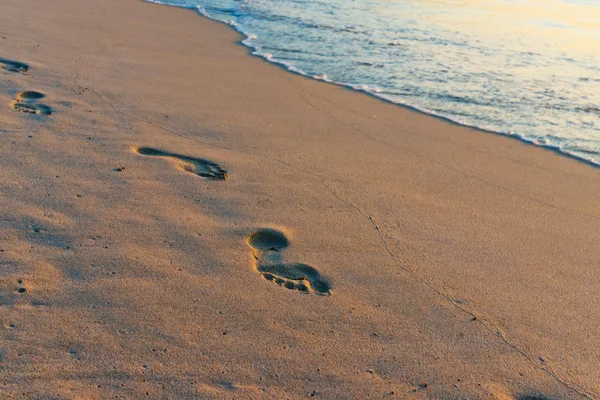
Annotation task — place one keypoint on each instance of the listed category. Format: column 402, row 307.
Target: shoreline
column 190, row 222
column 252, row 51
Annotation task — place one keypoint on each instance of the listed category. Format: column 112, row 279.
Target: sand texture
column 181, row 220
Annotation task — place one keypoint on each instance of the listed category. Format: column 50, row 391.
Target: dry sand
column 440, row 262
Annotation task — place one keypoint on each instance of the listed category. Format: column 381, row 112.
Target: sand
column 182, row 220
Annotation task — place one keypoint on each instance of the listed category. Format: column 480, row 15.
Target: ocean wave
column 487, row 98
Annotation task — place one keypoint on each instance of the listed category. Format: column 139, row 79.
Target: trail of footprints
column 267, row 245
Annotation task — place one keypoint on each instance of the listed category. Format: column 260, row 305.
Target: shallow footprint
column 14, row 66
column 27, row 102
column 267, row 246
column 197, row 166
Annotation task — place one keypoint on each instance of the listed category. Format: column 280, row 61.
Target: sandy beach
column 182, row 220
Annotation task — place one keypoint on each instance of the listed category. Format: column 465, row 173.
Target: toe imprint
column 295, row 276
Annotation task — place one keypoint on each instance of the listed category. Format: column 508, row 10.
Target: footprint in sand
column 28, row 102
column 267, row 247
column 13, row 66
column 197, row 166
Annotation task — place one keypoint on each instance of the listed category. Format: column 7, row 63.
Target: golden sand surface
column 181, row 220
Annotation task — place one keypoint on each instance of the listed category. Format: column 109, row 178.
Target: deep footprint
column 14, row 66
column 27, row 102
column 267, row 245
column 197, row 166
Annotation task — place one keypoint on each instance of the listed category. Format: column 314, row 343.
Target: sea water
column 529, row 68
